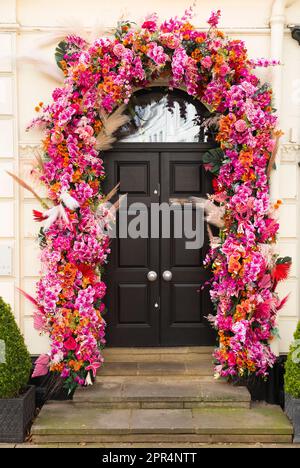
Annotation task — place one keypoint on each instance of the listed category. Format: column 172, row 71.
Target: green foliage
column 214, row 157
column 60, row 52
column 15, row 371
column 292, row 367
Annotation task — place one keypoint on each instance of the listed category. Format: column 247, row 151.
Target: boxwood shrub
column 15, row 363
column 292, row 367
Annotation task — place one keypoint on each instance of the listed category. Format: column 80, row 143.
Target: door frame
column 150, row 147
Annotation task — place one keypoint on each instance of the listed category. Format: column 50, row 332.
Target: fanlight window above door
column 161, row 116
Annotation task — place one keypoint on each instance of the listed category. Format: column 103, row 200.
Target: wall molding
column 290, row 152
column 26, row 150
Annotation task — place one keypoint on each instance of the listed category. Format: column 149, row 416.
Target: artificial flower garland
column 100, row 77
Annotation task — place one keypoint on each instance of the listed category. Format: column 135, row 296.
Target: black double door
column 171, row 309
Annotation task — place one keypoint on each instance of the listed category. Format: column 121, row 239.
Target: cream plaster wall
column 24, row 24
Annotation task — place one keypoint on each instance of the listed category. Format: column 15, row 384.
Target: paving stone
column 265, row 420
column 195, row 367
column 61, row 418
column 168, row 421
column 104, row 390
column 166, row 350
column 119, row 368
column 161, row 368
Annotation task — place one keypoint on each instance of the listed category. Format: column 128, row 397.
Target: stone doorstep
column 157, row 357
column 161, row 445
column 159, row 392
column 167, row 440
column 157, row 368
column 66, row 422
column 159, row 350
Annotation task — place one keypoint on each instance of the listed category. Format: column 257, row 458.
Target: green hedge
column 292, row 368
column 15, row 371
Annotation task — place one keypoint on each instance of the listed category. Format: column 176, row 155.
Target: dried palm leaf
column 46, row 67
column 24, row 184
column 214, row 213
column 111, row 194
column 39, row 160
column 111, row 123
column 69, row 27
column 104, row 142
column 214, row 241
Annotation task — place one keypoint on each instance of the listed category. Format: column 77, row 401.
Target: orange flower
column 246, row 157
column 57, row 367
column 196, row 55
column 76, row 365
column 76, row 176
column 200, row 39
column 234, row 265
column 225, row 125
column 243, row 310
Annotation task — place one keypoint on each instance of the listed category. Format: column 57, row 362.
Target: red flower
column 150, row 25
column 281, row 270
column 88, row 272
column 70, row 344
column 38, row 216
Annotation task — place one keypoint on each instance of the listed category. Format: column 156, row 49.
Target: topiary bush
column 292, row 367
column 15, row 371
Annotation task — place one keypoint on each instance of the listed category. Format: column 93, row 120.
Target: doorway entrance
column 154, row 284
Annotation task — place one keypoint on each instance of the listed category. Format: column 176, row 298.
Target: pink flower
column 41, row 366
column 206, row 62
column 157, row 54
column 150, row 23
column 70, row 344
column 214, row 18
column 57, row 137
column 93, row 367
column 119, row 50
column 240, row 125
column 224, row 69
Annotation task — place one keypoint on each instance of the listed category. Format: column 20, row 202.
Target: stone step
column 161, row 392
column 67, row 422
column 176, row 351
column 193, row 367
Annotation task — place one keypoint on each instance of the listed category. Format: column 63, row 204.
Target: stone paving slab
column 158, row 389
column 262, row 419
column 193, row 367
column 69, row 419
column 168, row 350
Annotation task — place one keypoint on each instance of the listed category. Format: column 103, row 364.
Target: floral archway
column 80, row 123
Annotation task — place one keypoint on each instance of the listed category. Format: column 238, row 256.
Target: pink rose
column 70, row 344
column 206, row 62
column 224, row 69
column 119, row 50
column 240, row 126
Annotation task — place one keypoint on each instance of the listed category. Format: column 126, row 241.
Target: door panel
column 132, row 319
column 184, row 306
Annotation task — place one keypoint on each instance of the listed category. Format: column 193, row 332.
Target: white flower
column 69, row 201
column 88, row 380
